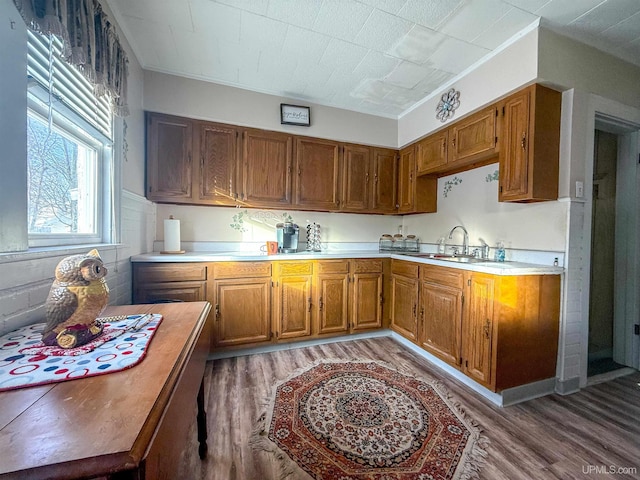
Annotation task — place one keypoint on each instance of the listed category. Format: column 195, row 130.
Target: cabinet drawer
column 333, row 266
column 242, row 269
column 366, row 265
column 293, row 268
column 172, row 291
column 406, row 269
column 170, row 272
column 442, row 276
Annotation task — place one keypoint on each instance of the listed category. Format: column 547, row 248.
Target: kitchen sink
column 448, row 258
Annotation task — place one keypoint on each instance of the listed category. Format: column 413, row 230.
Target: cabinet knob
column 523, row 142
column 487, row 328
column 320, row 304
column 309, row 304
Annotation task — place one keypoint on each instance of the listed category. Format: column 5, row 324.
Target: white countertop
column 495, row 268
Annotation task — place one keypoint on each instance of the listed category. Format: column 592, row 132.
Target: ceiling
column 372, row 56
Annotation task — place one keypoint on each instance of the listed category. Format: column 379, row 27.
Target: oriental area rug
column 366, row 420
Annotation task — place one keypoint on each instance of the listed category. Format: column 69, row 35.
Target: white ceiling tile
column 433, row 81
column 626, row 31
column 371, row 90
column 428, row 13
column 607, row 15
column 562, row 12
column 530, row 6
column 418, row 45
column 506, row 27
column 406, row 75
column 389, row 6
column 145, row 43
column 470, row 20
column 382, row 30
column 341, row 19
column 168, row 12
column 302, row 13
column 303, row 43
column 216, row 20
column 376, row 65
column 343, row 56
column 262, row 32
column 258, row 7
column 454, row 56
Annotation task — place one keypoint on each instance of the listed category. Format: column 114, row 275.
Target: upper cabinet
column 169, row 158
column 356, row 178
column 471, row 141
column 529, row 151
column 217, row 149
column 317, row 174
column 266, row 168
column 385, row 180
column 415, row 194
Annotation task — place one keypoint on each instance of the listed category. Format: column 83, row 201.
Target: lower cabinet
column 501, row 331
column 349, row 295
column 292, row 299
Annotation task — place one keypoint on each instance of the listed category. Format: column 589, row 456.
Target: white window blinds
column 65, row 82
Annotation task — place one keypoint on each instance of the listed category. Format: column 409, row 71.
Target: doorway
column 613, row 298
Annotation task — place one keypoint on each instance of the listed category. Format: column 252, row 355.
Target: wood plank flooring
column 577, row 436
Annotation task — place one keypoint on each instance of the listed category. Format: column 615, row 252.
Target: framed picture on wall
column 295, row 115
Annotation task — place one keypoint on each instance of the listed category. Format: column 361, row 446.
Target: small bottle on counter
column 441, row 245
column 500, row 252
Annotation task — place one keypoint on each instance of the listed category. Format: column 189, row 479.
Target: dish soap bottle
column 500, row 253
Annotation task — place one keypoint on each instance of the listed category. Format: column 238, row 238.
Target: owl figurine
column 77, row 297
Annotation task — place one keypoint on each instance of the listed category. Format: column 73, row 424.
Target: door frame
column 625, row 121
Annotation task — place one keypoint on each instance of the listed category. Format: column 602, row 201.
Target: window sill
column 36, row 253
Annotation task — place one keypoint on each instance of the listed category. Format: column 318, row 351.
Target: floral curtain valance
column 90, row 42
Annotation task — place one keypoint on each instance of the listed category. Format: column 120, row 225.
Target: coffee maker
column 287, row 234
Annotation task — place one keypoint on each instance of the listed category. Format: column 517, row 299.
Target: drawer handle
column 523, row 143
column 486, row 328
column 320, row 304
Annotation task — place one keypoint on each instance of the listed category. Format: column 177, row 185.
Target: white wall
column 197, row 99
column 13, row 136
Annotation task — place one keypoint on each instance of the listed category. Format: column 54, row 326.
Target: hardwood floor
column 577, row 436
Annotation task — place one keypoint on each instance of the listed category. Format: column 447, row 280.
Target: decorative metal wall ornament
column 448, row 104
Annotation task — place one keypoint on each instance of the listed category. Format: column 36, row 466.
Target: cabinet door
column 474, row 138
column 406, row 180
column 293, row 299
column 266, row 173
column 167, row 291
column 514, row 156
column 366, row 304
column 478, row 329
column 332, row 297
column 317, row 174
column 242, row 311
column 218, row 151
column 169, row 160
column 385, row 168
column 356, row 175
column 441, row 321
column 404, row 306
column 431, row 152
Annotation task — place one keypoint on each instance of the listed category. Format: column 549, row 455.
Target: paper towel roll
column 172, row 235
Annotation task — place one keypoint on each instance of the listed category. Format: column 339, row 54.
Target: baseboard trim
column 290, row 346
column 523, row 393
column 605, row 377
column 567, row 387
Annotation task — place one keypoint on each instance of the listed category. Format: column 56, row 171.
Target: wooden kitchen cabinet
column 165, row 282
column 266, row 171
column 242, row 303
column 356, row 174
column 366, row 293
column 415, row 194
column 500, row 330
column 317, row 174
column 169, row 158
column 404, row 298
column 292, row 299
column 385, row 180
column 440, row 324
column 530, row 145
column 349, row 295
column 431, row 152
column 218, row 149
column 474, row 138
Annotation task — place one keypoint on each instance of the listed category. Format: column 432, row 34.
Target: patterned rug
column 25, row 361
column 365, row 420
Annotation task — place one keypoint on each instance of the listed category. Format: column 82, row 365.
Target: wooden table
column 127, row 424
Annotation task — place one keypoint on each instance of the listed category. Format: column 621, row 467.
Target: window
column 68, row 152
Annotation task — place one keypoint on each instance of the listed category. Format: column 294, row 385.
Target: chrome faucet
column 465, row 241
